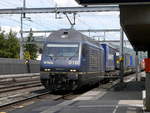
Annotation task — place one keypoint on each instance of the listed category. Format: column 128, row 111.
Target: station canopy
column 96, row 2
column 134, row 19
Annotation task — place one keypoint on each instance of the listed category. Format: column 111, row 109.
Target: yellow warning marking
column 28, row 103
column 2, row 112
column 121, row 59
column 20, row 106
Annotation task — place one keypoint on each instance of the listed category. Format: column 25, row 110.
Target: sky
column 98, row 20
column 48, row 21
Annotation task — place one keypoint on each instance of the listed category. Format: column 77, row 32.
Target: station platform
column 99, row 100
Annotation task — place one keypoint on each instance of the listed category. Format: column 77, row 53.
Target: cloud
column 8, row 28
column 64, row 3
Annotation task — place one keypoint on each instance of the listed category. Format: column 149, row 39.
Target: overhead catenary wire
column 49, row 24
column 4, row 4
column 84, row 23
column 33, row 21
column 100, row 21
column 10, row 4
column 12, row 19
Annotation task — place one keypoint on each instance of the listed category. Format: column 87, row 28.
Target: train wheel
column 73, row 85
column 48, row 84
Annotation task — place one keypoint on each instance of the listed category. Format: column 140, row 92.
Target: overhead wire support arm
column 74, row 19
column 60, row 10
column 88, row 30
column 57, row 13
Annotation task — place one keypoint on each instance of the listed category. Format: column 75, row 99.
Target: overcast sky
column 99, row 20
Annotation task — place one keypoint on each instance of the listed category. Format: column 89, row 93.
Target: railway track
column 2, row 106
column 19, row 91
column 33, row 96
column 37, row 97
column 20, row 80
column 21, row 83
column 23, row 94
column 19, row 87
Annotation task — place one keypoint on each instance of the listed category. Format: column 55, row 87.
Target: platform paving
column 127, row 100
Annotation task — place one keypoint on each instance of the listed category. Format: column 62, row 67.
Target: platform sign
column 147, row 64
column 96, row 2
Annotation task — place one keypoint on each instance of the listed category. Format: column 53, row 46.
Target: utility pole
column 104, row 36
column 24, row 6
column 121, row 55
column 21, row 31
column 21, row 40
column 137, row 65
column 147, row 83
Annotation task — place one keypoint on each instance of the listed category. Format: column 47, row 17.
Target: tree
column 9, row 45
column 13, row 45
column 2, row 44
column 30, row 49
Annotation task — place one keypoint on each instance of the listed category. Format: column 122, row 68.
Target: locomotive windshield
column 62, row 50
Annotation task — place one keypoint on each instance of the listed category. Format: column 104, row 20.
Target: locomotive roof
column 67, row 35
column 110, row 45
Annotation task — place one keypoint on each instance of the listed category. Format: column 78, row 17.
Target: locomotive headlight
column 47, row 69
column 73, row 70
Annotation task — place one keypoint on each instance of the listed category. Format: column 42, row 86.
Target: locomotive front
column 60, row 65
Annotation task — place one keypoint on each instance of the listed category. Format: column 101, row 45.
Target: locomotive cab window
column 62, row 50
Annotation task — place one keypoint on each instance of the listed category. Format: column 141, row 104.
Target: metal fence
column 16, row 66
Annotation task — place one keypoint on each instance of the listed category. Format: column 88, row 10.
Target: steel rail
column 22, row 100
column 19, row 75
column 15, row 88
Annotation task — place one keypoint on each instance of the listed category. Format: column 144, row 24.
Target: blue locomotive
column 71, row 60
